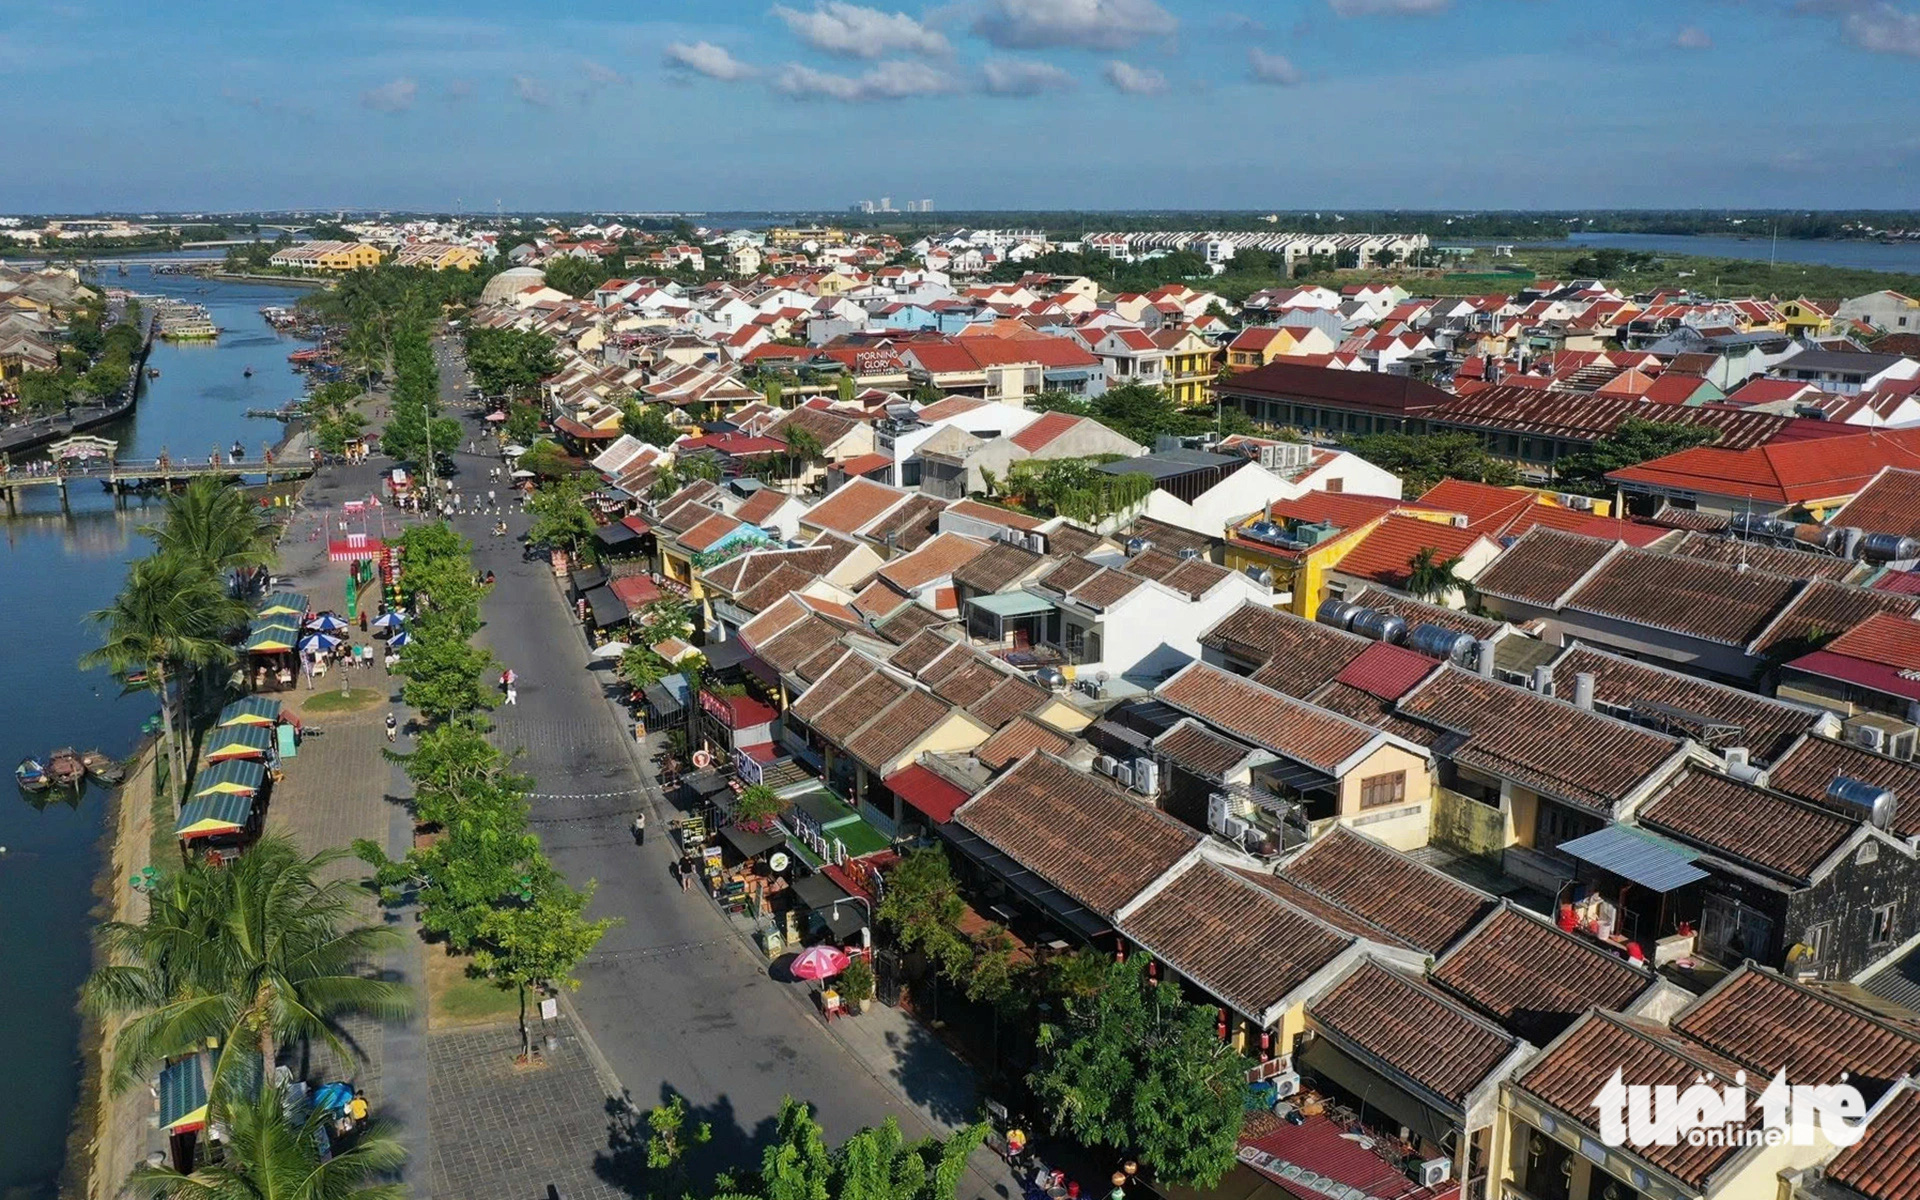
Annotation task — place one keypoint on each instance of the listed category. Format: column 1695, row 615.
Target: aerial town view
column 923, row 600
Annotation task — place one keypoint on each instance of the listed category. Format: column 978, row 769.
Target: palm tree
column 249, row 956
column 170, row 613
column 269, row 1155
column 214, row 523
column 1433, row 578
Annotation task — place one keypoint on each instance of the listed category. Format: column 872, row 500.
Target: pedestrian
column 393, row 727
column 492, row 499
column 357, row 1107
column 639, row 829
column 363, row 621
column 513, row 695
column 686, row 874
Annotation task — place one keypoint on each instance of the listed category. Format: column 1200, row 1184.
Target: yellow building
column 1188, row 369
column 351, row 256
column 793, row 235
column 1806, row 316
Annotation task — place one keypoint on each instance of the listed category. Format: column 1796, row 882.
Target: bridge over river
column 120, row 477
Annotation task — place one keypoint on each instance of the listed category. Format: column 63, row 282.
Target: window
column 1883, row 926
column 1817, row 940
column 1378, row 791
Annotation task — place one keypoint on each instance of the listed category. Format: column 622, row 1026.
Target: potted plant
column 856, row 984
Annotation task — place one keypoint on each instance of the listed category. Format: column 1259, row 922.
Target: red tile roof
column 853, row 505
column 931, row 794
column 1885, row 1164
column 1385, row 553
column 1889, row 504
column 1714, row 602
column 1885, row 638
column 1772, row 1023
column 1785, row 836
column 1543, row 566
column 1035, row 437
column 1416, row 1029
column 1823, row 609
column 1386, row 670
column 864, row 464
column 1786, row 472
column 1484, row 504
column 1534, row 979
column 1384, row 887
column 1265, row 717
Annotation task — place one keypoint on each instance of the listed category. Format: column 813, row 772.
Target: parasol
column 496, row 416
column 820, row 962
column 514, row 449
column 612, row 650
column 523, row 474
column 389, row 620
column 326, row 623
column 400, row 639
column 319, row 641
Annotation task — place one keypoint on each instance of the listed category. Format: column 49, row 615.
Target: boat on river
column 102, row 768
column 32, row 776
column 66, row 768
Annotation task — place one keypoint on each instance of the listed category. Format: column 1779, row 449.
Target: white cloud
column 1883, row 29
column 1087, row 24
column 1272, row 68
column 1692, row 37
column 1022, row 77
column 856, row 32
column 1134, row 81
column 532, row 91
column 1398, row 8
column 598, row 73
column 394, row 97
column 705, row 58
column 894, row 80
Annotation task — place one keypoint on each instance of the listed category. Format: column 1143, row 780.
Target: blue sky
column 722, row 104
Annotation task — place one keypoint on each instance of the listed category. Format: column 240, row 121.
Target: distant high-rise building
column 886, row 204
column 926, row 206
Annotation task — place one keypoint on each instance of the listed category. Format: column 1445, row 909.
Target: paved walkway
column 675, row 999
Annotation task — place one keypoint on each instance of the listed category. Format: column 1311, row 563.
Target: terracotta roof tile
column 1386, row 670
column 1715, row 602
column 1415, row 903
column 1009, row 699
column 1417, row 613
column 1105, row 588
column 1885, row 1165
column 853, row 506
column 1192, row 745
column 1000, row 566
column 1825, row 609
column 1234, row 939
column 781, row 581
column 1171, row 538
column 1748, row 824
column 919, row 650
column 1264, row 717
column 799, row 642
column 891, row 732
column 1543, row 566
column 1767, row 726
column 1413, row 1028
column 1534, row 979
column 1014, row 740
column 1890, row 639
column 1777, row 560
column 873, row 695
column 1070, row 574
column 909, row 620
column 934, row 560
column 1811, row 765
column 1295, row 655
column 1889, row 504
column 1076, row 832
column 910, row 526
column 1770, row 1024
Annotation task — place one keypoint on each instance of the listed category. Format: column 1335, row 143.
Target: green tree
column 1632, row 442
column 649, row 423
column 546, row 459
column 665, row 618
column 758, row 807
column 214, row 523
column 445, row 675
column 1076, row 488
column 877, row 1163
column 1137, row 1069
column 1433, row 578
column 269, row 1155
column 1422, row 460
column 922, row 906
column 250, row 955
column 170, row 617
column 540, row 940
column 575, row 276
column 560, row 516
column 670, row 1139
column 509, row 362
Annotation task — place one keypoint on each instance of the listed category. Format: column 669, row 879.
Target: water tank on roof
column 1051, row 678
column 1187, row 552
column 1138, row 545
column 1877, row 802
column 1888, row 547
column 1337, row 613
column 1761, row 526
column 1437, row 641
column 1831, row 538
column 1380, row 626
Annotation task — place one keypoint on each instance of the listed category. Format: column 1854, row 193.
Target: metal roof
column 1638, row 856
column 1013, row 604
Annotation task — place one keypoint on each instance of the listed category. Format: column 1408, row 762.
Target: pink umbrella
column 821, row 962
column 496, row 416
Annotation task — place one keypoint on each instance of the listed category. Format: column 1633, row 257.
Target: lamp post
column 866, row 933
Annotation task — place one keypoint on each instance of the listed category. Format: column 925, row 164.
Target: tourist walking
column 513, row 695
column 393, row 727
column 639, row 829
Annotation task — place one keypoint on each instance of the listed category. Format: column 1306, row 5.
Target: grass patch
column 333, row 700
column 456, row 998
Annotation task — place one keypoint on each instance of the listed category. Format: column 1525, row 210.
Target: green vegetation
column 95, row 366
column 560, row 516
column 1422, row 460
column 334, row 413
column 1075, row 487
column 1136, row 1068
column 270, row 1155
column 509, row 362
column 481, row 881
column 336, row 701
column 249, row 956
column 1433, row 578
column 1141, row 413
column 1634, row 442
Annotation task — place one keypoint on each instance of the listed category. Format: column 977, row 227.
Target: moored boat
column 32, row 776
column 103, row 768
column 65, row 767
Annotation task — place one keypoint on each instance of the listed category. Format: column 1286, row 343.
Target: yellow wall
column 1306, row 576
column 1407, row 832
column 957, row 734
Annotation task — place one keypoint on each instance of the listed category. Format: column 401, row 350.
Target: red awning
column 354, row 547
column 928, row 793
column 637, row 524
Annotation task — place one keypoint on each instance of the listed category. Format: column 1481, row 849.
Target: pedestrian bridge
column 118, row 476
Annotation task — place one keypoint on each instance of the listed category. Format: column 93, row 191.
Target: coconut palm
column 267, row 1154
column 167, row 619
column 1432, row 578
column 249, row 956
column 214, row 523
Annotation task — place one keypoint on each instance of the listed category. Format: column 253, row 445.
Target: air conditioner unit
column 1123, row 776
column 1146, row 776
column 1234, row 828
column 1286, row 1083
column 1037, row 542
column 1871, row 736
column 1459, row 520
column 1432, row 1172
column 1104, row 764
column 1218, row 814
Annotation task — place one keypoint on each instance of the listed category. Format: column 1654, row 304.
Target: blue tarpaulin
column 1638, row 857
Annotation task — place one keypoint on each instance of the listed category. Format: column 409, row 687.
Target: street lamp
column 866, row 933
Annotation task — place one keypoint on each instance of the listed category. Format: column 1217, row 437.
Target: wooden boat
column 103, row 768
column 153, row 372
column 66, row 768
column 247, row 374
column 32, row 776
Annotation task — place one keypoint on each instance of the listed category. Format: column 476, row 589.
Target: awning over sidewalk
column 817, row 891
column 748, row 844
column 616, row 536
column 605, row 608
column 930, row 795
column 665, row 704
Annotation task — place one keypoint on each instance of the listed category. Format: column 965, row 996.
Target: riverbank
column 105, row 1143
column 306, row 281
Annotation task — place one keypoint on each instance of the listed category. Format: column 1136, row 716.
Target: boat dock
column 181, row 321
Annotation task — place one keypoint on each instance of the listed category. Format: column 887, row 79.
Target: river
column 1865, row 256
column 55, row 568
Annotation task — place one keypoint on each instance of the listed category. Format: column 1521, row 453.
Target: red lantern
column 1221, row 1025
column 1266, row 1044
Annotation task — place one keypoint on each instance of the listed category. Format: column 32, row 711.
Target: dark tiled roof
column 799, row 642
column 890, row 732
column 1077, row 833
column 1070, row 539
column 1343, row 389
column 1768, row 726
column 1106, row 588
column 1417, row 904
column 1543, row 566
column 1809, row 767
column 1171, row 538
column 1301, row 896
column 1000, row 565
column 1571, row 1075
column 1712, row 601
column 1070, row 574
column 1234, row 939
column 1017, row 738
column 1200, row 750
column 918, row 651
column 908, row 621
column 1369, row 709
column 1750, row 824
column 831, row 687
column 1009, row 699
column 1885, row 1165
column 1303, row 653
column 1824, row 610
column 911, row 524
column 1264, row 717
column 1534, row 979
column 1545, row 744
column 1771, row 1023
column 1777, row 560
column 1414, row 1028
column 786, row 578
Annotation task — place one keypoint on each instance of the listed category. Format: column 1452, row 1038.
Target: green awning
column 250, row 710
column 1013, row 604
column 238, row 741
column 284, row 604
column 183, row 1094
column 209, row 816
column 233, row 776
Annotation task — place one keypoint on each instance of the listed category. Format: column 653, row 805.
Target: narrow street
column 674, row 998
